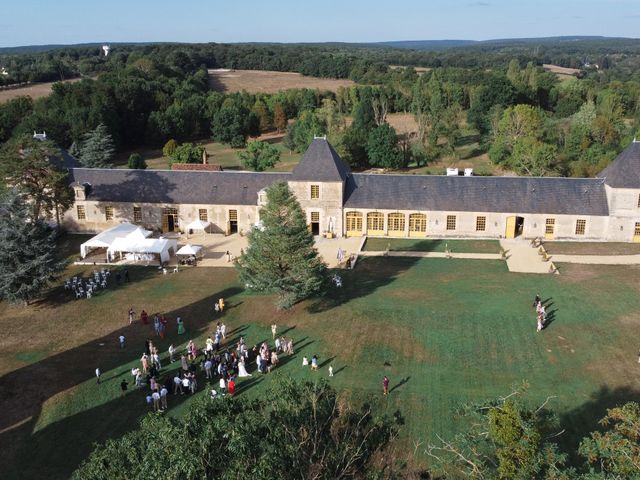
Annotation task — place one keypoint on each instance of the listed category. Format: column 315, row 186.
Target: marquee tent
column 189, row 250
column 106, row 238
column 198, row 225
column 163, row 247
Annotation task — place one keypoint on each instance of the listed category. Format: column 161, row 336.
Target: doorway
column 169, row 220
column 515, row 227
column 315, row 223
column 232, row 226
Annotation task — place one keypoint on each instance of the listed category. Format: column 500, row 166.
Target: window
column 396, row 222
column 137, row 214
column 581, row 226
column 639, row 201
column 636, row 231
column 375, row 221
column 82, row 214
column 315, row 192
column 549, row 226
column 202, row 215
column 108, row 213
column 451, row 222
column 233, row 215
column 354, row 222
column 417, row 222
column 481, row 224
column 315, row 216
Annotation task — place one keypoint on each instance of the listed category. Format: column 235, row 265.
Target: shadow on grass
column 59, row 447
column 369, row 275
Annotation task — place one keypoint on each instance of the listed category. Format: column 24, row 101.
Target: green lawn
column 592, row 248
column 444, row 331
column 431, row 245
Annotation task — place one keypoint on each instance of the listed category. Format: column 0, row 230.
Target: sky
column 38, row 22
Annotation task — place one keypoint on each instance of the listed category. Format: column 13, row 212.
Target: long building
column 343, row 203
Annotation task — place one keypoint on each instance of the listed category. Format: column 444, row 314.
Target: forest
column 529, row 120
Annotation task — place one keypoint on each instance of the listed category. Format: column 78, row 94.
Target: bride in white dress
column 242, row 371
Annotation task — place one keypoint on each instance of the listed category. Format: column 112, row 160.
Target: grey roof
column 578, row 196
column 624, row 171
column 66, row 161
column 321, row 163
column 166, row 186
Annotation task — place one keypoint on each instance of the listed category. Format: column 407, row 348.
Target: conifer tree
column 27, row 252
column 281, row 257
column 97, row 148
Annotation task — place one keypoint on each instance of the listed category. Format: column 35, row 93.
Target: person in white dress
column 242, row 371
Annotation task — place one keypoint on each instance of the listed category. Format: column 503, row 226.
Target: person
column 163, row 398
column 242, row 369
column 274, row 329
column 180, row 326
column 305, row 361
column 278, row 345
column 223, row 385
column 228, row 256
column 149, row 400
column 118, row 277
column 98, row 373
column 156, row 400
column 156, row 324
column 223, row 330
column 540, row 325
column 207, row 368
column 121, row 338
column 186, row 383
column 216, row 308
column 131, row 315
column 314, row 362
column 330, row 371
column 231, row 386
column 123, row 387
column 385, row 385
column 172, row 352
column 126, row 275
column 221, row 305
column 536, row 301
column 144, row 360
column 144, row 317
column 177, row 385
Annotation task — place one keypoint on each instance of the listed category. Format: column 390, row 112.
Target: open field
column 431, row 245
column 563, row 73
column 445, row 331
column 592, row 248
column 35, row 91
column 264, row 81
column 219, row 154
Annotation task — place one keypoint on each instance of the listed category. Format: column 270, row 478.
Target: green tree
column 97, row 150
column 27, row 251
column 32, row 165
column 136, row 162
column 281, row 257
column 259, row 156
column 533, row 157
column 187, row 153
column 301, row 132
column 260, row 109
column 279, row 118
column 169, row 148
column 615, row 452
column 295, row 430
column 229, row 126
column 382, row 147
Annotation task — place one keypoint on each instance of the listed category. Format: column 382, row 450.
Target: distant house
column 4, row 71
column 355, row 204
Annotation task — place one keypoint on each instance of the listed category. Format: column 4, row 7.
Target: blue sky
column 32, row 22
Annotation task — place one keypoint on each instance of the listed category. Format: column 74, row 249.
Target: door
column 511, row 227
column 636, row 233
column 354, row 224
column 375, row 224
column 232, row 225
column 549, row 228
column 315, row 223
column 171, row 223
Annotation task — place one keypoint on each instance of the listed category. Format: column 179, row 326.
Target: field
column 592, row 248
column 35, row 91
column 422, row 245
column 264, row 81
column 563, row 73
column 445, row 331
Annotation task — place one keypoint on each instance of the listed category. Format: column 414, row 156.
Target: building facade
column 343, row 203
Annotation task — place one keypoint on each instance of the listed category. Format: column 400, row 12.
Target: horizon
column 76, row 22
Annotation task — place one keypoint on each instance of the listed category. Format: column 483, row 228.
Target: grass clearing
column 265, row 81
column 431, row 245
column 445, row 331
column 592, row 248
column 35, row 91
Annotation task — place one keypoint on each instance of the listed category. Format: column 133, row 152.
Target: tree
column 97, row 150
column 31, row 165
column 136, row 162
column 295, row 430
column 615, row 452
column 187, row 153
column 259, row 156
column 229, row 126
column 301, row 132
column 382, row 147
column 27, row 251
column 260, row 109
column 169, row 148
column 533, row 157
column 281, row 257
column 279, row 117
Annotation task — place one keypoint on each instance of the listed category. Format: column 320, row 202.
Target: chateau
column 341, row 203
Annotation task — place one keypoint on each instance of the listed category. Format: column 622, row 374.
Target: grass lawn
column 445, row 331
column 431, row 245
column 592, row 248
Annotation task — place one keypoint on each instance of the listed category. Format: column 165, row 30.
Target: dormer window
column 315, row 192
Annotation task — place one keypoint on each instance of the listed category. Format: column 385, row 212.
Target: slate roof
column 181, row 187
column 67, row 162
column 569, row 196
column 321, row 163
column 624, row 171
column 202, row 167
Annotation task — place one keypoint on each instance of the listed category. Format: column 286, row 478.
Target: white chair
column 164, row 271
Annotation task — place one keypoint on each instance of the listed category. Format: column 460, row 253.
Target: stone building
column 343, row 203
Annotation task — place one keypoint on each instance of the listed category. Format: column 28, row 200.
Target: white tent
column 106, row 238
column 154, row 246
column 139, row 234
column 189, row 250
column 198, row 225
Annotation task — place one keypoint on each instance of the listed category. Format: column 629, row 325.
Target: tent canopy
column 198, row 225
column 160, row 246
column 106, row 238
column 189, row 250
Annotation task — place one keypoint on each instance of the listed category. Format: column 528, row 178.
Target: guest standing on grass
column 98, row 373
column 385, row 385
column 121, row 338
column 172, row 352
column 123, row 387
column 131, row 315
column 221, row 305
column 180, row 326
column 274, row 330
column 144, row 317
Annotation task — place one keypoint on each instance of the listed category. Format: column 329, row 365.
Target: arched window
column 396, row 223
column 375, row 223
column 354, row 224
column 417, row 225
